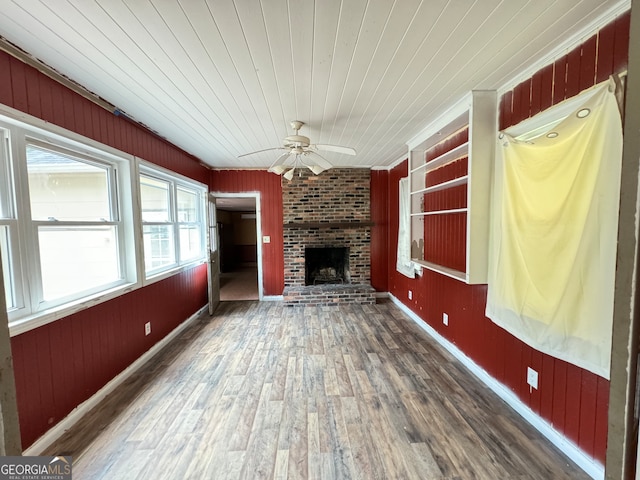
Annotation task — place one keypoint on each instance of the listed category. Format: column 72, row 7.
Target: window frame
column 22, row 129
column 111, row 168
column 176, row 181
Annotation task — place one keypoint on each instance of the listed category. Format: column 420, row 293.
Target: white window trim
column 143, row 167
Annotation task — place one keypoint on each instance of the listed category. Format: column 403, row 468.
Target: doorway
column 239, row 240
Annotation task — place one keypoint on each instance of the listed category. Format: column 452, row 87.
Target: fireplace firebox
column 326, row 265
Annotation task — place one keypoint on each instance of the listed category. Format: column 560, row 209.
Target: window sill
column 44, row 317
column 156, row 277
column 35, row 320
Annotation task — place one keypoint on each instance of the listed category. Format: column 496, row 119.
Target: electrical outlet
column 532, row 377
column 410, row 295
column 147, row 328
column 445, row 318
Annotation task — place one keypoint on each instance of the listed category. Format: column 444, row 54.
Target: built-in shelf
column 442, row 186
column 440, row 212
column 481, row 120
column 305, row 225
column 449, row 272
column 457, row 153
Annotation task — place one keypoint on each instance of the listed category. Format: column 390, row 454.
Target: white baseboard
column 77, row 413
column 383, row 294
column 570, row 449
column 272, row 298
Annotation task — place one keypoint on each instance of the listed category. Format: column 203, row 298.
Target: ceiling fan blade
column 289, row 174
column 260, row 151
column 336, row 148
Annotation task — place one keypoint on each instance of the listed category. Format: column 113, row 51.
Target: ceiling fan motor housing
column 296, row 141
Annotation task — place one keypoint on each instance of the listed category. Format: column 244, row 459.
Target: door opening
column 240, row 249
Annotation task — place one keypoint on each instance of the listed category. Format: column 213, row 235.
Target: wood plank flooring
column 264, row 391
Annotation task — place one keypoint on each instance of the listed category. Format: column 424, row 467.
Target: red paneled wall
column 60, row 365
column 379, row 230
column 573, row 400
column 270, row 188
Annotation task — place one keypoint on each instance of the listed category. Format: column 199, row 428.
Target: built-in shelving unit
column 480, row 118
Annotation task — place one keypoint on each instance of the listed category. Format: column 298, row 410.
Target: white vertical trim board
column 571, row 450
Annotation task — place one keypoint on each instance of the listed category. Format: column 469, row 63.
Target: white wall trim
column 588, row 464
column 273, row 298
column 53, row 434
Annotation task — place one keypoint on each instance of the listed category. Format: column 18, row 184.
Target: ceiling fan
column 299, row 152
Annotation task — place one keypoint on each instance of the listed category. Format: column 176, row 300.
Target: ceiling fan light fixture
column 316, row 169
column 289, row 174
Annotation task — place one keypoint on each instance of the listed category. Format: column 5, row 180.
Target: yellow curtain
column 554, row 232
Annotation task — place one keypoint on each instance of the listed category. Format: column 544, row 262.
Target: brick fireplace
column 330, row 210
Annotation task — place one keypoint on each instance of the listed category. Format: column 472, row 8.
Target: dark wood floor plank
column 264, row 391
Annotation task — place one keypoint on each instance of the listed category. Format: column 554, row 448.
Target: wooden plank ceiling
column 220, row 78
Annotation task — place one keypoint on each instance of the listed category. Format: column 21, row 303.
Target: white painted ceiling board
column 349, row 26
column 324, row 51
column 220, row 78
column 387, row 45
column 302, row 25
column 397, row 54
column 275, row 71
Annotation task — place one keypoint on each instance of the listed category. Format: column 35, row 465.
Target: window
column 70, row 230
column 75, row 219
column 173, row 220
column 67, row 233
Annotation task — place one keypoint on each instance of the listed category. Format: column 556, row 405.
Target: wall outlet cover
column 147, row 328
column 445, row 318
column 532, row 377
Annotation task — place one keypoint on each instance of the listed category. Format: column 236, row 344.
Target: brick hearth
column 328, row 210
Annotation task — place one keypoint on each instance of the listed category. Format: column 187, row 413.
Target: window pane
column 190, row 242
column 187, row 206
column 6, row 267
column 155, row 200
column 159, row 247
column 77, row 259
column 66, row 188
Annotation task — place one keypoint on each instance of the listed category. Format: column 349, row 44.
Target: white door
column 214, row 258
